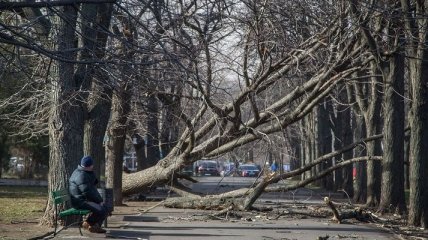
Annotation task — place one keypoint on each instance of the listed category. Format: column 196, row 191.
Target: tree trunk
column 313, row 147
column 99, row 107
column 3, row 150
column 361, row 169
column 392, row 193
column 418, row 209
column 324, row 140
column 339, row 120
column 99, row 101
column 152, row 136
column 140, row 151
column 116, row 143
column 66, row 119
column 369, row 95
column 159, row 174
column 372, row 120
column 407, row 162
column 348, row 181
column 295, row 150
column 302, row 143
column 308, row 145
column 169, row 123
column 417, row 36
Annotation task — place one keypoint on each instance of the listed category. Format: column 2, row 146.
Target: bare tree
column 392, row 192
column 201, row 140
column 244, row 71
column 67, row 118
column 99, row 99
column 416, row 36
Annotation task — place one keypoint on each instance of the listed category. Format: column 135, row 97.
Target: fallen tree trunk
column 357, row 213
column 243, row 199
column 232, row 199
column 253, row 197
column 166, row 169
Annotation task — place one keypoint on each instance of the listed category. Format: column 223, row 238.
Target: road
column 215, row 185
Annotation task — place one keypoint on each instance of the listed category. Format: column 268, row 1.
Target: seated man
column 84, row 195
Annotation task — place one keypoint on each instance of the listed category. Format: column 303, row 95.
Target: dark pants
column 98, row 212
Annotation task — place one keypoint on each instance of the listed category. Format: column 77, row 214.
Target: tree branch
column 14, row 6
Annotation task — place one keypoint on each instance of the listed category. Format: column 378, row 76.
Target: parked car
column 248, row 170
column 208, row 168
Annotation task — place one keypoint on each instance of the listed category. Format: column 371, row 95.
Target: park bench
column 60, row 199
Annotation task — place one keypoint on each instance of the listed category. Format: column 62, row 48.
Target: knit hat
column 86, row 161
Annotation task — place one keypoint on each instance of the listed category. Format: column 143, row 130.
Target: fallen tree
column 243, row 199
column 216, row 130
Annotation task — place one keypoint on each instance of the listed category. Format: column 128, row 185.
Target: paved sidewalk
column 162, row 223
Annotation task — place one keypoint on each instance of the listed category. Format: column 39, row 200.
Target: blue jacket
column 273, row 167
column 82, row 187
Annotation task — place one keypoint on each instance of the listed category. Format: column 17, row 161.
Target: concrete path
column 162, row 224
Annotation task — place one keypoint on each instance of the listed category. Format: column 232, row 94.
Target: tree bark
column 116, row 143
column 407, row 162
column 324, row 140
column 156, row 175
column 360, row 168
column 99, row 100
column 309, row 142
column 152, row 136
column 371, row 105
column 372, row 120
column 340, row 121
column 417, row 36
column 418, row 209
column 392, row 190
column 295, row 150
column 169, row 123
column 140, row 151
column 347, row 136
column 66, row 119
column 99, row 107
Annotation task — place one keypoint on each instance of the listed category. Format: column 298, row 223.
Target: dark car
column 208, row 168
column 248, row 170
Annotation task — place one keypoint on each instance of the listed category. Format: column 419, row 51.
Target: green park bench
column 60, row 199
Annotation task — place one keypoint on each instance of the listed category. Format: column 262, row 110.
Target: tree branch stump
column 336, row 216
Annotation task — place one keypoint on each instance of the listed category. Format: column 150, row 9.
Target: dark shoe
column 96, row 229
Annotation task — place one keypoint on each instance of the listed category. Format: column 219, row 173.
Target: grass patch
column 22, row 204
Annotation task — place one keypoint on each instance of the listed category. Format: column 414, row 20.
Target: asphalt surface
column 164, row 223
column 161, row 223
column 174, row 226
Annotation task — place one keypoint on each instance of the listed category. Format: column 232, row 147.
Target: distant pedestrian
column 84, row 195
column 273, row 167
